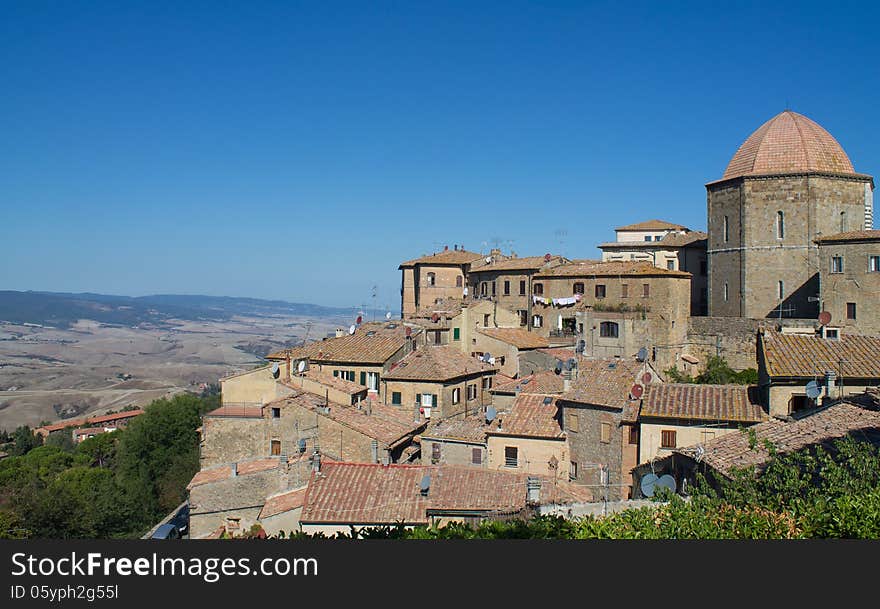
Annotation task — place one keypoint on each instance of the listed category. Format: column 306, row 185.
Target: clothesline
column 557, row 302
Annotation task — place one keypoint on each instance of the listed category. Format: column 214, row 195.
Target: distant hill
column 63, row 309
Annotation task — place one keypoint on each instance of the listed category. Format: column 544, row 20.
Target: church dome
column 788, row 143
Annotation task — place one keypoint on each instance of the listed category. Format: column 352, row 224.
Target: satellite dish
column 666, row 481
column 558, row 368
column 492, row 360
column 571, row 364
column 359, row 320
column 488, row 259
column 491, row 413
column 646, row 378
column 301, row 366
column 581, row 346
column 352, row 329
column 649, row 481
column 486, row 357
column 388, row 315
column 824, row 318
column 813, row 390
column 275, row 369
column 642, row 354
column 302, row 445
column 425, row 484
column 636, row 391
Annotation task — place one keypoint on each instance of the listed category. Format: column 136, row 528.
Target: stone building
column 545, row 382
column 849, row 280
column 455, row 321
column 600, row 415
column 439, row 381
column 668, row 246
column 434, row 277
column 505, row 346
column 788, row 184
column 842, row 366
column 457, row 441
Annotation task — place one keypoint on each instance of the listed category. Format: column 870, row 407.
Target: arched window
column 780, row 225
column 843, row 221
column 431, row 278
column 608, row 329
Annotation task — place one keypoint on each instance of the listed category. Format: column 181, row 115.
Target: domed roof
column 788, row 143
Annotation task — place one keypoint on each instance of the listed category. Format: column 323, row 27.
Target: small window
column 843, row 221
column 670, row 264
column 780, row 289
column 605, row 432
column 667, row 438
column 493, row 288
column 432, row 278
column 511, row 456
column 472, row 392
column 486, row 318
column 487, row 382
column 456, row 395
column 573, row 422
column 780, row 225
column 647, row 237
column 726, row 292
column 726, row 229
column 484, row 288
column 507, row 288
column 275, row 447
column 572, row 470
column 609, row 329
column 874, row 264
column 395, row 397
column 646, row 290
column 837, row 264
column 476, row 456
column 456, row 333
column 831, row 333
column 705, row 436
column 600, row 291
column 458, row 281
column 624, row 291
column 435, row 452
column 538, row 289
column 850, row 310
column 578, row 288
column 633, row 435
column 276, row 413
column 522, row 288
column 537, row 321
column 523, row 317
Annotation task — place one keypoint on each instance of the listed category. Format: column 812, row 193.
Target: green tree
column 24, row 441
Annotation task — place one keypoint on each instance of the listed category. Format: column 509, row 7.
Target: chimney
column 456, row 247
column 316, row 461
column 830, row 377
column 566, row 385
column 445, row 248
column 340, row 332
column 374, row 450
column 533, row 489
column 234, row 468
column 495, row 252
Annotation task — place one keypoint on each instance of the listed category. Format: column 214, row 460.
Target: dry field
column 47, row 374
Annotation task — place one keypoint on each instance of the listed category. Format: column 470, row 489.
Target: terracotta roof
column 243, row 412
column 788, row 143
column 446, row 308
column 447, row 257
column 528, row 263
column 338, row 383
column 609, row 269
column 733, row 403
column 436, row 363
column 283, row 502
column 386, row 424
column 544, row 382
column 794, row 355
column 536, row 416
column 119, row 416
column 518, row 337
column 361, row 493
column 651, row 225
column 467, row 429
column 560, row 353
column 88, row 430
column 856, row 235
column 224, row 472
column 604, row 382
column 372, row 343
column 732, row 450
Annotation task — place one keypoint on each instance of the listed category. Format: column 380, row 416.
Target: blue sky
column 302, row 150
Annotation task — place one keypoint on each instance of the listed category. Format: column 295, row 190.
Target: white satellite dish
column 302, row 366
column 492, row 360
column 488, row 259
column 275, row 369
column 388, row 315
column 352, row 329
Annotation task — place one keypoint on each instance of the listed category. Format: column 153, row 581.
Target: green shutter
column 434, row 401
column 456, row 333
column 363, row 378
column 395, row 397
column 336, row 373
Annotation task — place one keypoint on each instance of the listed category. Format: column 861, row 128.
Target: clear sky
column 303, row 150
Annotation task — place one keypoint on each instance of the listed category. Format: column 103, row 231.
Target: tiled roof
column 93, row 421
column 466, row 429
column 335, row 382
column 732, row 450
column 793, row 355
column 372, row 343
column 855, row 235
column 788, row 143
column 518, row 337
column 536, row 416
column 375, row 494
column 560, row 353
column 609, row 269
column 283, row 502
column 243, row 412
column 447, row 309
column 88, row 430
column 651, row 225
column 543, row 382
column 529, row 263
column 436, row 363
column 224, row 472
column 604, row 382
column 386, row 424
column 733, row 403
column 454, row 257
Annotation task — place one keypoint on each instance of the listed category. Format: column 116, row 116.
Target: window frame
column 511, row 459
column 609, row 329
column 665, row 434
column 837, row 263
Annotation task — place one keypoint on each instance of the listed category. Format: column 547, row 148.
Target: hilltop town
column 540, row 384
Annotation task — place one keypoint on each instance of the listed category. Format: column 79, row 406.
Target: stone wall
column 231, row 439
column 452, row 452
column 857, row 284
column 534, row 455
